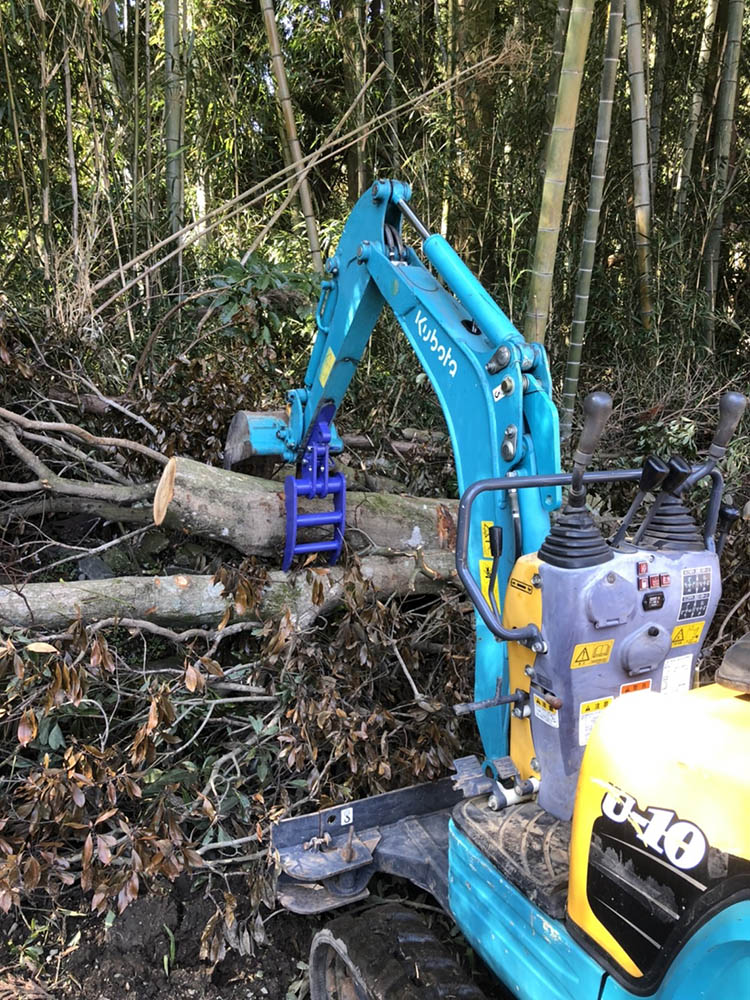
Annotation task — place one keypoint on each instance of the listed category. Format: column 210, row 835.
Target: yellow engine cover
column 661, row 828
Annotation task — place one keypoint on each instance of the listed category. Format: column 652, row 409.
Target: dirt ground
column 151, row 952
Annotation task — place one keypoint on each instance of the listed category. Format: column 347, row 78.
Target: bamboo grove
column 588, row 159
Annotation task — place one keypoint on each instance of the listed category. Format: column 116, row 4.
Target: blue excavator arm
column 493, row 387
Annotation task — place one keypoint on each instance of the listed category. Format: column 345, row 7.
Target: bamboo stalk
column 172, row 112
column 287, row 110
column 71, row 157
column 556, row 170
column 390, row 71
column 722, row 149
column 658, row 89
column 641, row 163
column 593, row 210
column 696, row 106
column 556, row 58
column 16, row 137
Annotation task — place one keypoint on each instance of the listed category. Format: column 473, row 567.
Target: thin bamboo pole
column 558, row 51
column 696, row 106
column 722, row 149
column 390, row 72
column 556, row 170
column 591, row 226
column 287, row 110
column 71, row 157
column 641, row 163
column 172, row 111
column 659, row 86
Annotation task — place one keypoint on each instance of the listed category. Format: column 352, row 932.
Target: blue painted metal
column 454, row 337
column 532, row 953
column 316, row 480
column 714, row 963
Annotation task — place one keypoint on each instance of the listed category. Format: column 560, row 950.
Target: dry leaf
column 40, row 647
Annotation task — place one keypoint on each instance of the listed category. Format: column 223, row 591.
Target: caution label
column 677, row 674
column 325, row 369
column 521, row 585
column 486, row 550
column 636, row 686
column 687, row 635
column 485, row 572
column 546, row 713
column 589, row 713
column 590, row 654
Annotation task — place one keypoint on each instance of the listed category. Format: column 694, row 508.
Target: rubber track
column 400, row 958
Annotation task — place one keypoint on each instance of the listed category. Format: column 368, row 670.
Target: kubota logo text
column 430, row 337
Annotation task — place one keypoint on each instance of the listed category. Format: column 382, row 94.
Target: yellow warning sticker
column 588, row 707
column 590, row 654
column 325, row 369
column 544, row 711
column 485, row 572
column 687, row 635
column 589, row 713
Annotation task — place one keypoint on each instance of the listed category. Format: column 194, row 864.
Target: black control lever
column 678, row 472
column 597, row 407
column 731, row 407
column 727, row 517
column 655, row 471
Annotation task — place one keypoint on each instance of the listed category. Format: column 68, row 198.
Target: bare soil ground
column 129, row 961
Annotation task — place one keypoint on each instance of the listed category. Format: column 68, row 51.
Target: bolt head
column 534, row 764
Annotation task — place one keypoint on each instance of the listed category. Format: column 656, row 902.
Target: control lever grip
column 655, row 471
column 597, row 407
column 679, row 470
column 731, row 407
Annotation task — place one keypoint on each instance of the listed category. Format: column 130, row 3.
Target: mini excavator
column 601, row 848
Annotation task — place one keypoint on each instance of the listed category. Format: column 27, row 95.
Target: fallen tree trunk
column 249, row 513
column 183, row 600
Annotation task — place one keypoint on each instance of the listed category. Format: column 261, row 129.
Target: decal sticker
column 636, row 686
column 431, row 339
column 521, row 585
column 590, row 654
column 325, row 368
column 544, row 711
column 497, row 393
column 485, row 572
column 677, row 673
column 589, row 713
column 696, row 590
column 687, row 635
column 682, row 843
column 486, row 550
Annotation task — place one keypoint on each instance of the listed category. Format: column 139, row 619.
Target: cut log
column 249, row 513
column 195, row 600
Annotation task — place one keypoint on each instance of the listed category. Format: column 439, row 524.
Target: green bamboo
column 558, row 51
column 556, row 170
column 591, row 225
column 696, row 107
column 287, row 110
column 172, row 114
column 641, row 162
column 722, row 148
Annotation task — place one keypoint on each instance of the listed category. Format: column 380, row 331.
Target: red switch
column 642, row 568
column 642, row 582
column 665, row 579
column 653, row 581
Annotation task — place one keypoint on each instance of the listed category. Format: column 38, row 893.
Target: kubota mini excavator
column 601, row 849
